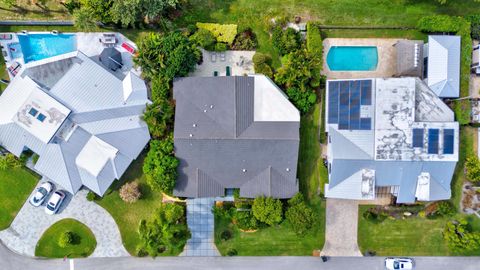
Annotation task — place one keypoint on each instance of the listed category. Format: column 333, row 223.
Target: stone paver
column 200, row 221
column 31, row 222
column 341, row 228
column 240, row 63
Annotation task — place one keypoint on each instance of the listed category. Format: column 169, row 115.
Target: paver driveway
column 341, row 228
column 201, row 223
column 31, row 222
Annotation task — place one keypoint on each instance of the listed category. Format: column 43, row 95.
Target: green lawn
column 418, row 236
column 127, row 215
column 83, row 245
column 280, row 240
column 25, row 10
column 15, row 186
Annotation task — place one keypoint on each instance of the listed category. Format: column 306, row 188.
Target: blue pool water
column 352, row 58
column 40, row 46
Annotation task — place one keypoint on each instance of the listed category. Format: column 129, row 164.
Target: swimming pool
column 40, row 46
column 352, row 58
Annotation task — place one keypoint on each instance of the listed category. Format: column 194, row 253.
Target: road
column 11, row 261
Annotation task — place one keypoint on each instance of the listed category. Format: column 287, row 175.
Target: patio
column 387, row 57
column 239, row 62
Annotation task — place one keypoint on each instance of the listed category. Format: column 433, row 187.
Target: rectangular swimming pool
column 40, row 46
column 352, row 58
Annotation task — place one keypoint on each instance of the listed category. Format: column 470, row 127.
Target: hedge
column 459, row 26
column 314, row 39
column 222, row 32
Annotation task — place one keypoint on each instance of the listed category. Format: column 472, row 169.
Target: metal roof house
column 235, row 132
column 443, row 68
column 389, row 134
column 83, row 121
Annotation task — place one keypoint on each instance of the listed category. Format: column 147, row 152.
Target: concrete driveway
column 341, row 228
column 31, row 222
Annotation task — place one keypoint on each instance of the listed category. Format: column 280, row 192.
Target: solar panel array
column 345, row 99
column 448, row 141
column 417, row 137
column 433, row 140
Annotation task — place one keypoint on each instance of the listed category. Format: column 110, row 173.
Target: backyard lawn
column 418, row 236
column 83, row 241
column 281, row 240
column 15, row 186
column 43, row 10
column 127, row 215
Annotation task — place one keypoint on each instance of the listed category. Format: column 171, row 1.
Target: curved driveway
column 31, row 222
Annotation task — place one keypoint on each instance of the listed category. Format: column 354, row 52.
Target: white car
column 398, row 263
column 55, row 202
column 41, row 194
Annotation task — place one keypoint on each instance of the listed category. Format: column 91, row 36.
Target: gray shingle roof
column 220, row 145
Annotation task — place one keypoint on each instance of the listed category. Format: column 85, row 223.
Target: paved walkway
column 341, row 228
column 200, row 221
column 31, row 222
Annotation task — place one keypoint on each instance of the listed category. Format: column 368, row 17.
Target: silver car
column 399, row 263
column 41, row 193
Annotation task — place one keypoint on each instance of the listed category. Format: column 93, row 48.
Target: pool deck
column 387, row 57
column 87, row 43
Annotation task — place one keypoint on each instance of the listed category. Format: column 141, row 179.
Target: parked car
column 41, row 194
column 55, row 202
column 399, row 263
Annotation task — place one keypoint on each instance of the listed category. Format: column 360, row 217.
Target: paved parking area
column 31, row 222
column 341, row 228
column 201, row 223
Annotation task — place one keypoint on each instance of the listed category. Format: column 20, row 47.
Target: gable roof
column 444, row 65
column 221, row 144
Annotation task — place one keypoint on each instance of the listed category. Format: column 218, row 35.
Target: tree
column 459, row 237
column 245, row 40
column 299, row 215
column 160, row 166
column 130, row 192
column 285, row 41
column 267, row 210
column 262, row 64
column 84, row 19
column 170, row 55
column 166, row 230
column 472, row 166
column 9, row 161
column 153, row 9
column 9, row 3
column 159, row 116
column 65, row 239
column 204, row 39
column 160, row 88
column 445, row 208
column 126, row 12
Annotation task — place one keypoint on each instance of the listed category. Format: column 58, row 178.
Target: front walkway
column 31, row 222
column 341, row 228
column 201, row 223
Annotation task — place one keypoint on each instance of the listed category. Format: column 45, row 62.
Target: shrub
column 160, row 165
column 262, row 64
column 130, row 192
column 160, row 88
column 245, row 40
column 141, row 252
column 245, row 220
column 474, row 26
column 159, row 118
column 267, row 210
column 204, row 39
column 459, row 237
column 472, row 167
column 35, row 158
column 374, row 216
column 226, row 235
column 220, row 47
column 421, row 214
column 65, row 239
column 222, row 32
column 285, row 41
column 446, row 209
column 71, row 5
column 91, row 196
column 9, row 161
column 314, row 40
column 232, row 252
column 299, row 215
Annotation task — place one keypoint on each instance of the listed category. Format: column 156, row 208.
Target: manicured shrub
column 220, row 47
column 285, row 41
column 232, row 252
column 314, row 39
column 222, row 32
column 472, row 167
column 130, row 192
column 245, row 220
column 226, row 235
column 141, row 252
column 474, row 26
column 204, row 39
column 91, row 196
column 160, row 165
column 267, row 210
column 245, row 40
column 65, row 239
column 262, row 64
column 446, row 209
column 299, row 215
column 459, row 237
column 374, row 215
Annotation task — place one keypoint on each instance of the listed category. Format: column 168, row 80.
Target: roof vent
column 211, row 106
column 194, row 125
column 244, row 170
column 288, row 169
column 191, row 135
column 204, row 111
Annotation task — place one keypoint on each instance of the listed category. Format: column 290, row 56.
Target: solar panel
column 354, row 105
column 333, row 102
column 448, row 136
column 366, row 92
column 417, row 137
column 344, row 108
column 433, row 141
